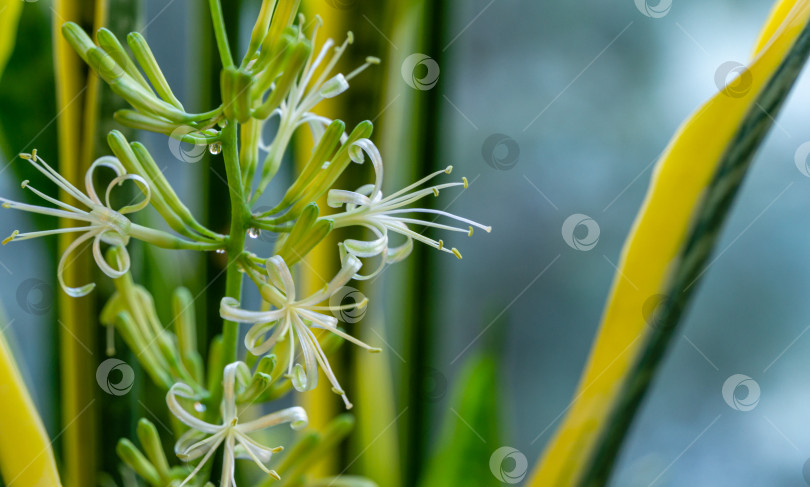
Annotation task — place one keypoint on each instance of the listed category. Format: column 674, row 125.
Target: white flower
column 367, row 207
column 293, row 318
column 203, row 439
column 104, row 224
column 313, row 87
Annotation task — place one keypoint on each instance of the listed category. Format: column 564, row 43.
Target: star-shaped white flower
column 293, row 318
column 203, row 439
column 104, row 224
column 367, row 207
column 317, row 83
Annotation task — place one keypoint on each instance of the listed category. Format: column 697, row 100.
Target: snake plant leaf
column 470, row 431
column 26, row 456
column 691, row 191
column 9, row 18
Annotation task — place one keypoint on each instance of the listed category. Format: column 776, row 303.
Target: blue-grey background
column 591, row 92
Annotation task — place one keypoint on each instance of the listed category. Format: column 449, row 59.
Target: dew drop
column 222, row 123
column 215, row 148
column 254, row 233
column 199, row 407
column 220, row 251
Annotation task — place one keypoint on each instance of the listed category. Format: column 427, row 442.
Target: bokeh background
column 550, row 109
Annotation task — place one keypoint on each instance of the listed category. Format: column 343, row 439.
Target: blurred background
column 552, row 110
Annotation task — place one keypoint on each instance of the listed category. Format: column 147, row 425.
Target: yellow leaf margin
column 26, row 457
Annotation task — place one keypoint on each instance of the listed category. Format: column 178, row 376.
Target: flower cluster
column 280, row 75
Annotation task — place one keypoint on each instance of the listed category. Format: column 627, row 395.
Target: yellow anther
column 274, row 474
column 456, row 252
column 34, row 154
column 466, row 184
column 375, row 350
column 469, row 234
column 11, row 237
column 6, row 205
column 435, row 191
column 350, row 37
column 448, row 170
column 24, row 184
column 27, row 157
column 373, row 60
column 441, row 244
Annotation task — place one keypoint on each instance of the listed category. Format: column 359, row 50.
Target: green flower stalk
column 282, row 75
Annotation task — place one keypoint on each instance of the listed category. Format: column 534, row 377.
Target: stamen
column 471, row 232
column 441, row 244
column 11, row 237
column 466, row 184
column 24, row 184
column 456, row 252
column 435, row 191
column 448, row 170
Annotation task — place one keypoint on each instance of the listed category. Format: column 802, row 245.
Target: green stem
column 220, row 33
column 240, row 219
column 165, row 240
